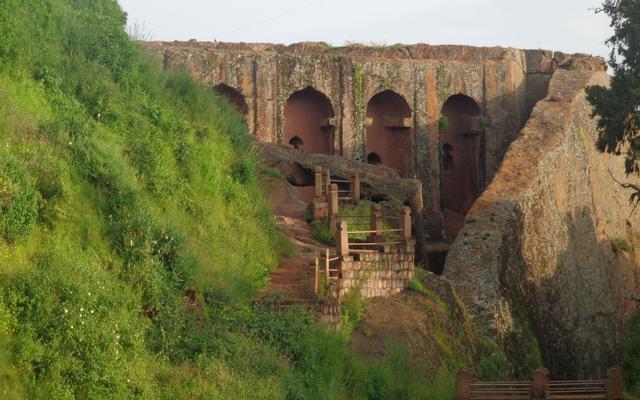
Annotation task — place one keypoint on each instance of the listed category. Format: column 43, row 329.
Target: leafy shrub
column 492, row 364
column 353, row 309
column 19, row 199
column 620, row 245
column 631, row 356
column 321, row 232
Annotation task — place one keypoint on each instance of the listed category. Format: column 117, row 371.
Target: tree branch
column 634, row 198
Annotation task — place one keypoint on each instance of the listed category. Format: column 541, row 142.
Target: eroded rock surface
column 536, row 250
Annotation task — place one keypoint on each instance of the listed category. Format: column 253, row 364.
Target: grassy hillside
column 134, row 232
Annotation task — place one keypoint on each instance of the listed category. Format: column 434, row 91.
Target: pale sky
column 565, row 25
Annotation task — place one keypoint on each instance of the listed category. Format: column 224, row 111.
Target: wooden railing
column 376, row 239
column 540, row 387
column 329, row 265
column 324, row 186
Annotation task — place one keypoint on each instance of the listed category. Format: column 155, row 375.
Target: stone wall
column 504, row 82
column 378, row 274
column 536, row 251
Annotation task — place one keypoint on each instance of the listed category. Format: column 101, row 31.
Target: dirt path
column 293, row 279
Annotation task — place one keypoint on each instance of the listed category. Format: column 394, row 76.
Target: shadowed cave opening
column 389, row 130
column 374, row 158
column 234, row 97
column 307, row 117
column 296, row 142
column 461, row 180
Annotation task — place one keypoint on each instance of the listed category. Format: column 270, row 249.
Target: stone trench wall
column 376, row 274
column 504, row 82
column 536, row 255
column 381, row 274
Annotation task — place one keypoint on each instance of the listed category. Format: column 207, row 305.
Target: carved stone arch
column 389, row 128
column 461, row 159
column 234, row 96
column 308, row 114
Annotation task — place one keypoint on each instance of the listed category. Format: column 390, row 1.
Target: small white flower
column 131, row 242
column 81, row 309
column 66, row 311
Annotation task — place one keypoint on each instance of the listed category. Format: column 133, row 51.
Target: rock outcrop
column 541, row 248
column 377, row 181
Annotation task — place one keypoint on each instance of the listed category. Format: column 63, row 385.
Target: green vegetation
column 416, row 285
column 631, row 356
column 617, row 108
column 274, row 173
column 443, row 124
column 321, row 232
column 620, row 245
column 352, row 309
column 359, row 111
column 134, row 232
column 522, row 350
column 492, row 364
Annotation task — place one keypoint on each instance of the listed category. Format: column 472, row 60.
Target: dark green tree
column 618, row 107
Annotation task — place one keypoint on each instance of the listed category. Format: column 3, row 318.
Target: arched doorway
column 307, row 122
column 389, row 132
column 460, row 160
column 234, row 97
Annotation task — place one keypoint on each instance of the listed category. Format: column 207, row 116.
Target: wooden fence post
column 464, row 379
column 539, row 382
column 318, row 182
column 355, row 188
column 317, row 276
column 405, row 224
column 342, row 239
column 326, row 182
column 615, row 385
column 333, row 208
column 327, row 265
column 376, row 222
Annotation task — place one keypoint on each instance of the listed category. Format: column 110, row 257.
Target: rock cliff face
column 536, row 252
column 360, row 94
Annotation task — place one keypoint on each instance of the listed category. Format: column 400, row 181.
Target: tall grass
column 134, row 231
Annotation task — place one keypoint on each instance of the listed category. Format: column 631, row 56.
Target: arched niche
column 388, row 132
column 234, row 97
column 308, row 121
column 460, row 157
column 374, row 158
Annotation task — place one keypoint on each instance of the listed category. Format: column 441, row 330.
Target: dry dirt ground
column 292, row 281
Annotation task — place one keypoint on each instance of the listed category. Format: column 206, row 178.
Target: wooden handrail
column 376, row 231
column 540, row 387
column 373, row 243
